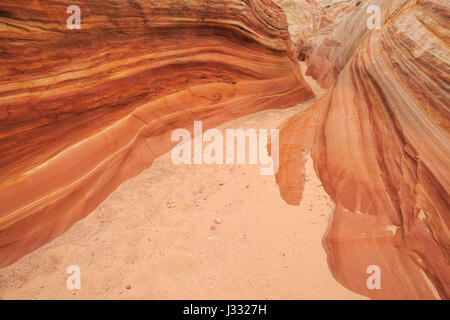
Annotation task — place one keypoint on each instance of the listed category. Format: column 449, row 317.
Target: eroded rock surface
column 305, row 18
column 380, row 141
column 83, row 110
column 339, row 9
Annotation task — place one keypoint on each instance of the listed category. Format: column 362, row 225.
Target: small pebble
column 171, row 204
column 213, row 227
column 217, row 221
column 128, row 287
column 210, row 238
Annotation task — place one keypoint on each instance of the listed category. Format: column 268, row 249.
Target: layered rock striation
column 83, row 110
column 339, row 9
column 380, row 142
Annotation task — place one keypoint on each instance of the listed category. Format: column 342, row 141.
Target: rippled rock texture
column 380, row 141
column 83, row 110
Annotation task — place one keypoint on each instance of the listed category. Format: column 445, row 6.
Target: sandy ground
column 155, row 237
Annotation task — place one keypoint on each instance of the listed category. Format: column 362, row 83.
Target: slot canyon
column 86, row 118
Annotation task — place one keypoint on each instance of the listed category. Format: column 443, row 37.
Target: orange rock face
column 83, row 110
column 380, row 141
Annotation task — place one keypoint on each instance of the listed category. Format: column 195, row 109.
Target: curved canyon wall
column 380, row 142
column 328, row 51
column 83, row 110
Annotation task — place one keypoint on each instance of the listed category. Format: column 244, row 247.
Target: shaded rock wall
column 380, row 141
column 83, row 110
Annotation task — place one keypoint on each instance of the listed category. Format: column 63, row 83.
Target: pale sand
column 154, row 234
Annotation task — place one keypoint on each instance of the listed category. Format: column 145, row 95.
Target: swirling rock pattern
column 83, row 110
column 338, row 9
column 380, row 141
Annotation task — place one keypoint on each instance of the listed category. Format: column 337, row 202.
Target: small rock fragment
column 217, row 221
column 128, row 287
column 171, row 204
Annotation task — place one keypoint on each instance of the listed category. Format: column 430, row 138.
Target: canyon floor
column 153, row 237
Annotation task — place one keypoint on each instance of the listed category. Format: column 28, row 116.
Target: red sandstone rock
column 83, row 110
column 380, row 141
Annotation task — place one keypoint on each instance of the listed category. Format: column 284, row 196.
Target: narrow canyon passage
column 156, row 237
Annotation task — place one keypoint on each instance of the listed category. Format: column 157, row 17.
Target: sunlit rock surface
column 305, row 18
column 339, row 9
column 313, row 19
column 83, row 110
column 380, row 141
